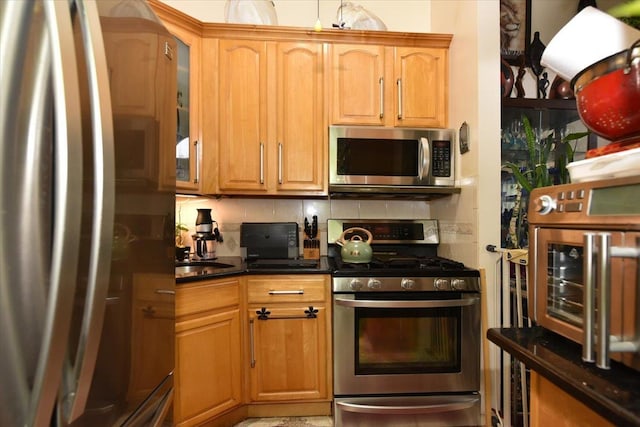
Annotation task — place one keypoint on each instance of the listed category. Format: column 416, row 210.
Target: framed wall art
column 515, row 29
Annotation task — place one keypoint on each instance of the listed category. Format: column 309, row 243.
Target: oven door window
column 407, row 340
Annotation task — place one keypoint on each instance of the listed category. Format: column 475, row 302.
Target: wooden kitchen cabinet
column 551, row 406
column 389, row 85
column 152, row 329
column 289, row 335
column 141, row 80
column 271, row 116
column 208, row 377
column 193, row 156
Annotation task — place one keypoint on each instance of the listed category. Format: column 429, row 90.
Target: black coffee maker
column 207, row 236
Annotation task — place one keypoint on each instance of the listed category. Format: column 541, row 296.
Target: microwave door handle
column 424, row 158
column 588, row 299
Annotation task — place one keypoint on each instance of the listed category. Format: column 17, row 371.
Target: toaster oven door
column 585, row 283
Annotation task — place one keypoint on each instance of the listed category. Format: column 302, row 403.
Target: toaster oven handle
column 607, row 343
column 407, row 303
column 588, row 299
column 424, row 158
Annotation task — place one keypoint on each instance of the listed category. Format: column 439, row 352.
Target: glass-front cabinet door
column 188, row 139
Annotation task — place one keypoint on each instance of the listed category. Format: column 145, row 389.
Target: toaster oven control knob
column 374, row 284
column 407, row 284
column 544, row 204
column 355, row 284
column 441, row 284
column 458, row 284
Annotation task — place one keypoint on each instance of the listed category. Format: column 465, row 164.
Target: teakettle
column 355, row 250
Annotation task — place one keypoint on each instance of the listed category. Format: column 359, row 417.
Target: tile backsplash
column 229, row 213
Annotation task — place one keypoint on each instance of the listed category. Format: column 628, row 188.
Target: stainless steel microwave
column 584, row 257
column 379, row 159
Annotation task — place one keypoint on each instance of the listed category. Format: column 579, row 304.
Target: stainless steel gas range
column 406, row 330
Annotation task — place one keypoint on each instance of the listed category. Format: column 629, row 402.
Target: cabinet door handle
column 280, row 163
column 381, row 84
column 252, row 343
column 261, row 163
column 295, row 292
column 165, row 292
column 399, row 84
column 196, row 153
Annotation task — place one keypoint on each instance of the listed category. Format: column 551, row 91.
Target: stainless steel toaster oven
column 584, row 250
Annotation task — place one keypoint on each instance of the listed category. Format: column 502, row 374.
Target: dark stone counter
column 613, row 393
column 238, row 266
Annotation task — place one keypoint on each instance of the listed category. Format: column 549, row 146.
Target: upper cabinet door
column 358, row 84
column 188, row 135
column 421, row 79
column 242, row 118
column 300, row 141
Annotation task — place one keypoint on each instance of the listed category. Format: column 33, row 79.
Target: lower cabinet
column 551, row 406
column 289, row 338
column 208, row 373
column 152, row 329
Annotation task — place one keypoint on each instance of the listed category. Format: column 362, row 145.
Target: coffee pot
column 204, row 245
column 207, row 236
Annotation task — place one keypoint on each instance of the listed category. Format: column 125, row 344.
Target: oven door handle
column 407, row 409
column 407, row 304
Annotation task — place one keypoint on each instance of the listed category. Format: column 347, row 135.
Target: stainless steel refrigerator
column 87, row 196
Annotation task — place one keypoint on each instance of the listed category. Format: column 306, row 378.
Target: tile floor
column 287, row 422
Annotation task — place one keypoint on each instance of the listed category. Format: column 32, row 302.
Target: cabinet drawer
column 205, row 296
column 154, row 287
column 286, row 288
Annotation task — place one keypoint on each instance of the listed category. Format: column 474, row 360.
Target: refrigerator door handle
column 78, row 377
column 67, row 212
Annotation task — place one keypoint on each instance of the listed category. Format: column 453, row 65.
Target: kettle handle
column 341, row 240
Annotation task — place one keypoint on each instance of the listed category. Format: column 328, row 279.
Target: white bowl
column 587, row 38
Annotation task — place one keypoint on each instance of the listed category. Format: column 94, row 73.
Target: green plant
column 545, row 165
column 537, row 171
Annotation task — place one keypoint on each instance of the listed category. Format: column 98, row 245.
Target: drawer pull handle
column 298, row 292
column 165, row 292
column 310, row 313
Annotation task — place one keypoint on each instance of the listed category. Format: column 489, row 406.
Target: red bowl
column 608, row 95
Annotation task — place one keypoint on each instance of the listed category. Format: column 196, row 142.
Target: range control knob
column 458, row 284
column 374, row 284
column 407, row 284
column 441, row 284
column 355, row 284
column 544, row 204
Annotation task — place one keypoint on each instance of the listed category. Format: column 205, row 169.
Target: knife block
column 311, row 249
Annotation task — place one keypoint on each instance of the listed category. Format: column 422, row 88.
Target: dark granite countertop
column 238, row 266
column 613, row 393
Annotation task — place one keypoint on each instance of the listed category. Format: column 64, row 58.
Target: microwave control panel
column 441, row 159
